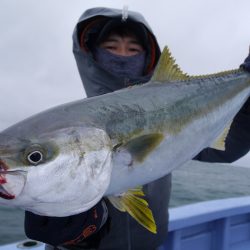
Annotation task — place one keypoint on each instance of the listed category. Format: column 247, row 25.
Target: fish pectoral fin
column 219, row 143
column 140, row 147
column 133, row 202
column 167, row 69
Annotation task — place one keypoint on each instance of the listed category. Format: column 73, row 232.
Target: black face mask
column 122, row 66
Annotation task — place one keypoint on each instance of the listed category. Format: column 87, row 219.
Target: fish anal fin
column 140, row 147
column 219, row 144
column 133, row 202
column 167, row 69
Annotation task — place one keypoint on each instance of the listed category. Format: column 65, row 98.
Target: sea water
column 192, row 183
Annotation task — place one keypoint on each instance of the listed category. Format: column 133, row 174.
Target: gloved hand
column 246, row 108
column 65, row 230
column 246, row 64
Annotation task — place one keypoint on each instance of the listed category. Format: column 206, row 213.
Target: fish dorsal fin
column 219, row 143
column 167, row 69
column 140, row 147
column 133, row 203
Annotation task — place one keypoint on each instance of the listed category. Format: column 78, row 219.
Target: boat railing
column 211, row 225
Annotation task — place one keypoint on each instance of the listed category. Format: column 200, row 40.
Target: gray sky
column 37, row 68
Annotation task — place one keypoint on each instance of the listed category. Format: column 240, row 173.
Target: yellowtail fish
column 64, row 160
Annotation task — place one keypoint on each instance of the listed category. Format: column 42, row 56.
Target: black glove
column 65, row 230
column 246, row 64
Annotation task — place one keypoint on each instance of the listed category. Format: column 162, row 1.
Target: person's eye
column 109, row 47
column 135, row 50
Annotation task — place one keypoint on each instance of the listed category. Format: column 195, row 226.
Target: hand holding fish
column 246, row 64
column 66, row 230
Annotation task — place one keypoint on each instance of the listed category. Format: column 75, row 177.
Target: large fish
column 64, row 160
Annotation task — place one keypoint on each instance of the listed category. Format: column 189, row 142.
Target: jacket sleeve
column 237, row 142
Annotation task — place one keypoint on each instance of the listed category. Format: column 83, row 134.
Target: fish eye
column 34, row 154
column 35, row 157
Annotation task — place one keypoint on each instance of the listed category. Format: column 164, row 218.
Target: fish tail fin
column 133, row 202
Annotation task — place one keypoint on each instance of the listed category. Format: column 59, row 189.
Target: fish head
column 56, row 173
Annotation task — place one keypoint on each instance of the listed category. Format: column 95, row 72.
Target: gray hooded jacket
column 124, row 232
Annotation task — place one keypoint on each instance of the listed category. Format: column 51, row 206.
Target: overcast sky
column 37, row 68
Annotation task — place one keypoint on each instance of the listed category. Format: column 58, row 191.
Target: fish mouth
column 4, row 192
column 6, row 195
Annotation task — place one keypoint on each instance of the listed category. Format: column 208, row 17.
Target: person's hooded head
column 113, row 50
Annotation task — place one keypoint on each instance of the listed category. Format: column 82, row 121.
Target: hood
column 92, row 23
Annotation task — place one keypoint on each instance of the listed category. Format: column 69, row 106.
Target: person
column 114, row 50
